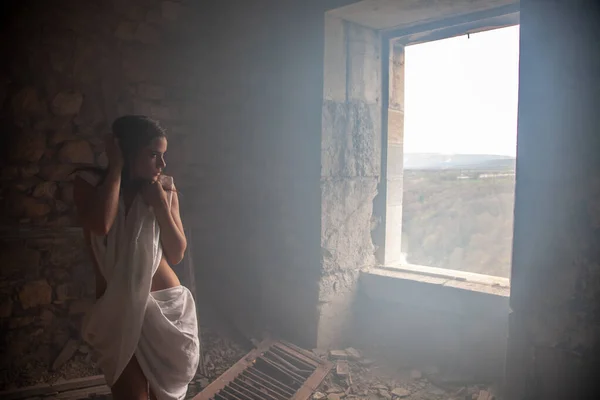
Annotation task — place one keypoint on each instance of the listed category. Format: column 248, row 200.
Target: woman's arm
column 97, row 206
column 172, row 236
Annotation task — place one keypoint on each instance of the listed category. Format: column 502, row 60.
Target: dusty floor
column 353, row 377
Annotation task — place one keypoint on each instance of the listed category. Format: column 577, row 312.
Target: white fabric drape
column 160, row 327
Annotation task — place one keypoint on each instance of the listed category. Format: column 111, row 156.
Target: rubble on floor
column 353, row 377
column 358, row 378
column 220, row 353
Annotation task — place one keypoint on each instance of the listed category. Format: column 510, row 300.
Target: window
column 452, row 124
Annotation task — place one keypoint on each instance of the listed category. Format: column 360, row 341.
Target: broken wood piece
column 47, row 390
column 342, row 368
column 269, row 367
column 338, row 354
column 66, row 353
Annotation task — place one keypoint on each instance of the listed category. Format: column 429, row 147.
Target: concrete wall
column 555, row 324
column 415, row 321
column 350, row 170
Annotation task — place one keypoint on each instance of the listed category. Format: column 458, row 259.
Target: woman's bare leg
column 132, row 384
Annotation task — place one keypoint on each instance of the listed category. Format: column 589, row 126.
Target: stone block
column 346, row 210
column 66, row 193
column 29, row 171
column 28, row 103
column 35, row 293
column 25, row 185
column 335, row 60
column 15, row 259
column 67, row 291
column 67, row 103
column 76, row 152
column 32, row 208
column 364, row 60
column 351, row 141
column 45, row 190
column 57, row 172
column 28, row 147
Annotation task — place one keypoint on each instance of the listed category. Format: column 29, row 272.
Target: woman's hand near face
column 154, row 195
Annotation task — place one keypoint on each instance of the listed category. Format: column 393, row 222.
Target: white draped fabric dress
column 159, row 327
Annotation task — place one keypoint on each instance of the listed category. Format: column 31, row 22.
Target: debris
column 400, row 392
column 334, row 389
column 436, row 391
column 66, row 353
column 320, row 353
column 319, row 396
column 338, row 354
column 342, row 368
column 353, row 354
column 416, row 374
column 485, row 395
column 335, row 396
column 385, row 394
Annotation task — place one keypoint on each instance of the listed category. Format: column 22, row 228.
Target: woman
column 143, row 325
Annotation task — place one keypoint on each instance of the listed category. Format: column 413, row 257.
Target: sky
column 461, row 94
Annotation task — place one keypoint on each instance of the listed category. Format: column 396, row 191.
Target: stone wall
column 237, row 84
column 555, row 322
column 70, row 68
column 350, row 170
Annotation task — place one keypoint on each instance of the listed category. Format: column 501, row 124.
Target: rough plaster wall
column 350, row 169
column 555, row 323
column 260, row 238
column 70, row 68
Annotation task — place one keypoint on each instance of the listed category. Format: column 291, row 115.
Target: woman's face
column 150, row 160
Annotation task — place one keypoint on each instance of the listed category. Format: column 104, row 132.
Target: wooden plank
column 307, row 388
column 233, row 372
column 83, row 393
column 46, row 389
column 313, row 382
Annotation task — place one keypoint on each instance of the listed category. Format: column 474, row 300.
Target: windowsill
column 436, row 289
column 448, row 277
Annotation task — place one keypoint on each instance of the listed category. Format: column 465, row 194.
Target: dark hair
column 133, row 133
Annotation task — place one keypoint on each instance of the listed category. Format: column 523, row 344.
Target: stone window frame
column 393, row 43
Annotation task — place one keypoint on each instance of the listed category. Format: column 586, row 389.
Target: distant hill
column 432, row 161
